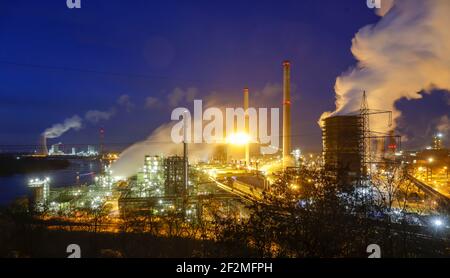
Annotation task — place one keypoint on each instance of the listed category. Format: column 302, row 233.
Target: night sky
column 56, row 62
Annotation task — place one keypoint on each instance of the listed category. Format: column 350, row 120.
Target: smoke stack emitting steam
column 405, row 53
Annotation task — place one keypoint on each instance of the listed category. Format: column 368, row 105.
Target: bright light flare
column 438, row 222
column 238, row 139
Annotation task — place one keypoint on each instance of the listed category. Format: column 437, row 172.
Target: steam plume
column 407, row 52
column 95, row 116
column 158, row 143
column 59, row 129
column 444, row 125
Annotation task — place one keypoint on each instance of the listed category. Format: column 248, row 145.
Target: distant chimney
column 185, row 154
column 286, row 109
column 247, row 128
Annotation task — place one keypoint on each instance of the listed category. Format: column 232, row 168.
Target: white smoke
column 444, row 125
column 407, row 52
column 158, row 143
column 125, row 101
column 179, row 96
column 95, row 116
column 59, row 129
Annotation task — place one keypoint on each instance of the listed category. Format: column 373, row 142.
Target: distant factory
column 58, row 150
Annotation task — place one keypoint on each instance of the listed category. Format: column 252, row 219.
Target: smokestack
column 44, row 150
column 286, row 110
column 247, row 128
column 185, row 154
column 102, row 138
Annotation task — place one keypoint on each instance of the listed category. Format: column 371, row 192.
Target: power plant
column 238, row 130
column 167, row 186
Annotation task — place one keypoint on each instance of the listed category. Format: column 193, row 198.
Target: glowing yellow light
column 238, row 139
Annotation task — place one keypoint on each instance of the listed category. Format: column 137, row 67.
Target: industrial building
column 40, row 193
column 437, row 141
column 152, row 176
column 174, row 183
column 55, row 149
column 159, row 187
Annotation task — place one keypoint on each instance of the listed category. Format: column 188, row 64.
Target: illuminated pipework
column 153, row 175
column 106, row 180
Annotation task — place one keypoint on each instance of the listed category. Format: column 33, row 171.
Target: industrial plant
column 234, row 175
column 368, row 167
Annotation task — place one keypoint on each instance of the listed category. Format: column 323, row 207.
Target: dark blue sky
column 56, row 62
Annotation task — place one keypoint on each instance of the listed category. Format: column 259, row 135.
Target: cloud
column 124, row 101
column 95, row 116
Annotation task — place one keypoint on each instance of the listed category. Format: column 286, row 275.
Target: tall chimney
column 247, row 128
column 286, row 110
column 185, row 154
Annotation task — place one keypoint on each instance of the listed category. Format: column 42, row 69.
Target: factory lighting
column 438, row 222
column 297, row 153
column 430, row 159
column 239, row 139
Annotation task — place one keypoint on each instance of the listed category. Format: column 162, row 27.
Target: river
column 16, row 186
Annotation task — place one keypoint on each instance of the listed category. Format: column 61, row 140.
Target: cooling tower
column 43, row 146
column 343, row 145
